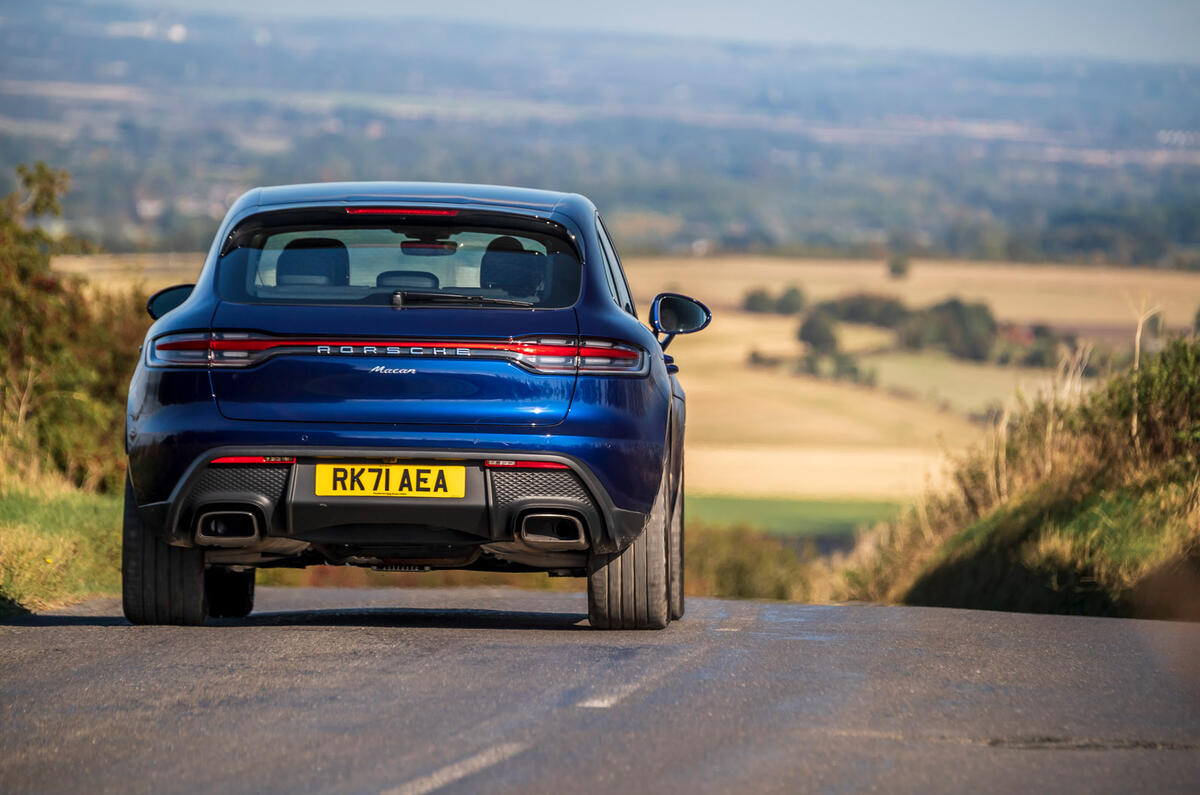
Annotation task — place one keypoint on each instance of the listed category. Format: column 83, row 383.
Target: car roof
column 434, row 192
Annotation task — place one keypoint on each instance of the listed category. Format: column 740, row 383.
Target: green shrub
column 967, row 331
column 68, row 352
column 867, row 309
column 759, row 301
column 818, row 331
column 790, row 302
column 809, row 364
column 742, row 562
column 898, row 266
column 845, row 367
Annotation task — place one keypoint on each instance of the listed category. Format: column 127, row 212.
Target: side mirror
column 167, row 299
column 671, row 314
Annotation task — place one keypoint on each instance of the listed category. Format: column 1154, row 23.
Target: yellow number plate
column 390, row 480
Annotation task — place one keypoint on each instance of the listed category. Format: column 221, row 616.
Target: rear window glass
column 368, row 265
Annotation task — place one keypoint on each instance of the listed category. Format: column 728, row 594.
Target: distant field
column 793, row 518
column 1055, row 294
column 966, row 387
column 150, row 271
column 766, row 433
column 1087, row 297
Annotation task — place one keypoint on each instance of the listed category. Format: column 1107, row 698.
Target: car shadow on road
column 416, row 618
column 38, row 620
column 383, row 617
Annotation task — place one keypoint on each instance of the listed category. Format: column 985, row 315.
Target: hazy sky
column 1157, row 30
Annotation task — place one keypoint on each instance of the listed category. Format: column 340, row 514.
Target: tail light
column 179, row 349
column 589, row 357
column 603, row 356
column 546, row 355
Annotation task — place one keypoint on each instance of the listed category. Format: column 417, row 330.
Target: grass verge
column 57, row 547
column 1088, row 505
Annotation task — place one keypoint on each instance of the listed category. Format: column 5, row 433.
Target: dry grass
column 1059, row 294
column 122, row 271
column 731, row 402
column 963, row 385
column 808, row 472
column 767, row 432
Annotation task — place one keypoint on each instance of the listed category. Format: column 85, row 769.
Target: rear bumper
column 282, row 499
column 172, row 422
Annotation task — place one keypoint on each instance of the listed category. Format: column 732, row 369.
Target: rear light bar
column 504, row 463
column 541, row 355
column 254, row 459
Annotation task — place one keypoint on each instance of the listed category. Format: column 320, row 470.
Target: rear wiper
column 403, row 298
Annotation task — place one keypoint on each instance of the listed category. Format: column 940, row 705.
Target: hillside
column 1080, row 504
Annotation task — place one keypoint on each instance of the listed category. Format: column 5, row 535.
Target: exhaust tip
column 552, row 531
column 226, row 528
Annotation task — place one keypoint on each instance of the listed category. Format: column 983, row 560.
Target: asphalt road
column 494, row 690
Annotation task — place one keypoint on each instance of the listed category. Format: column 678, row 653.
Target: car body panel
column 435, row 386
column 616, row 432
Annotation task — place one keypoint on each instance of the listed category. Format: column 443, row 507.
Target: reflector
column 503, row 463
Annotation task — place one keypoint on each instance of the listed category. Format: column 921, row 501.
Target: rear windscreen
column 365, row 264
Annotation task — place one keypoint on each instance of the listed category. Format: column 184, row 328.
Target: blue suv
column 406, row 377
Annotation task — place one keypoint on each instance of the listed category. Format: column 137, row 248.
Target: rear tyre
column 628, row 590
column 230, row 593
column 160, row 584
column 675, row 550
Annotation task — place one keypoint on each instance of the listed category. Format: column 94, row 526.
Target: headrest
column 420, row 279
column 507, row 266
column 314, row 260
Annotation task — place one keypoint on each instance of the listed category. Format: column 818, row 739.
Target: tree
column 818, row 331
column 25, row 248
column 898, row 266
column 967, row 331
column 866, row 308
column 791, row 302
column 758, row 300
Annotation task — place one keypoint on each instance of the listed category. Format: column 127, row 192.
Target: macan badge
column 392, row 370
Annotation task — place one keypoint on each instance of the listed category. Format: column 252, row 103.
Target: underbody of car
column 407, row 377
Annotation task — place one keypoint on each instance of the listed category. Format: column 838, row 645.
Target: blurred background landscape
column 919, row 249
column 690, row 145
